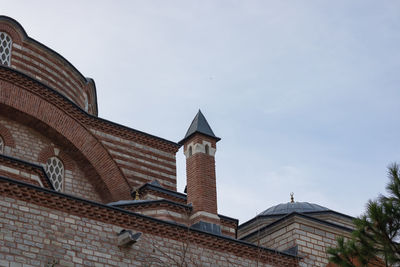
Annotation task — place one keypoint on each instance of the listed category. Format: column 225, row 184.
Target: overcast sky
column 304, row 94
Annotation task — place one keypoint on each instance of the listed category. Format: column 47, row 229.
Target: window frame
column 9, row 44
column 60, row 187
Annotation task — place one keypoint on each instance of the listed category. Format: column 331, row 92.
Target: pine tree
column 375, row 240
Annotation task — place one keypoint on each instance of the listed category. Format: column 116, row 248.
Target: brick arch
column 48, row 152
column 112, row 183
column 7, row 136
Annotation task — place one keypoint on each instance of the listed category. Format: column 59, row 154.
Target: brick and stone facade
column 306, row 234
column 41, row 226
column 72, row 183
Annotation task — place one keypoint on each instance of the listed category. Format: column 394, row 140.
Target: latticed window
column 5, row 48
column 55, row 171
column 1, row 145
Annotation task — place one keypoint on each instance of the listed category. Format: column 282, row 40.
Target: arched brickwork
column 49, row 152
column 7, row 137
column 112, row 182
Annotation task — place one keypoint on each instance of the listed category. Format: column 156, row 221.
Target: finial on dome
column 292, row 197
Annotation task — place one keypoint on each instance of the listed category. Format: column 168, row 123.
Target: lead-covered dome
column 21, row 53
column 299, row 207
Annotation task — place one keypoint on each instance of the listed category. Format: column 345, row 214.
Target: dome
column 300, row 207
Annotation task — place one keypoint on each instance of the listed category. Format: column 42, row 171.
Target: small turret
column 199, row 149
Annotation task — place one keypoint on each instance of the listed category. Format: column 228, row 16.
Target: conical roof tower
column 199, row 125
column 199, row 149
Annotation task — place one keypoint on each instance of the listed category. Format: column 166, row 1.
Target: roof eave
column 189, row 136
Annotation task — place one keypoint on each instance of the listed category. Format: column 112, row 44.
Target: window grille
column 5, row 48
column 55, row 171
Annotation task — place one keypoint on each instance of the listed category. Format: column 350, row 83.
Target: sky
column 304, row 94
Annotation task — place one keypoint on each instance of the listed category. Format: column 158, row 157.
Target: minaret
column 199, row 149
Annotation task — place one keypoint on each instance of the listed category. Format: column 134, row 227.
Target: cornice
column 28, row 167
column 300, row 215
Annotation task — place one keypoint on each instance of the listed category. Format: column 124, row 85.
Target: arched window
column 207, row 150
column 55, row 171
column 5, row 48
column 190, row 151
column 1, row 145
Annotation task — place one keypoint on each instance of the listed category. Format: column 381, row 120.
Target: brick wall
column 29, row 145
column 34, row 234
column 228, row 227
column 146, row 192
column 140, row 163
column 115, row 153
column 163, row 210
column 201, row 177
column 53, row 116
column 23, row 171
column 46, row 69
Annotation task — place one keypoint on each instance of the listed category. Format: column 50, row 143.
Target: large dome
column 300, row 207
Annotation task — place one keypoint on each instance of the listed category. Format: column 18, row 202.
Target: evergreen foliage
column 377, row 232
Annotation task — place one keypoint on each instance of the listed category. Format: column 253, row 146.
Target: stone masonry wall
column 312, row 241
column 32, row 235
column 250, row 227
column 281, row 238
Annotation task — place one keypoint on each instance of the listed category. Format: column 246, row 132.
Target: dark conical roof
column 199, row 125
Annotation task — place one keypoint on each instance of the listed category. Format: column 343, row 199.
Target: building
column 78, row 190
column 300, row 228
